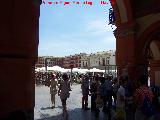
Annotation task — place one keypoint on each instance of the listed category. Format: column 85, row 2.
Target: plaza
column 43, row 110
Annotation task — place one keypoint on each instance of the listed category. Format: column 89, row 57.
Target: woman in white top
column 120, row 103
column 53, row 90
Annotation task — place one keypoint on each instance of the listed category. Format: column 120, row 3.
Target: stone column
column 125, row 48
column 18, row 54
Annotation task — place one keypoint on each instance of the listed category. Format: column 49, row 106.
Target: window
column 103, row 61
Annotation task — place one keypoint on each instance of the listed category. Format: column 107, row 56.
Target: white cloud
column 98, row 25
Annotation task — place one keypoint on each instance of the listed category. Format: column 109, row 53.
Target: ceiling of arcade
column 143, row 7
column 136, row 8
column 141, row 12
column 146, row 21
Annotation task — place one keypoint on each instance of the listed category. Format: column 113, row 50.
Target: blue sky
column 72, row 29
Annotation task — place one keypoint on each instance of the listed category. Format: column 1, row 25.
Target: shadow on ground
column 76, row 114
column 47, row 108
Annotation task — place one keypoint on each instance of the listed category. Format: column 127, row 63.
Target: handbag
column 55, row 91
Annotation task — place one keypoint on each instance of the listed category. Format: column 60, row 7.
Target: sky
column 74, row 28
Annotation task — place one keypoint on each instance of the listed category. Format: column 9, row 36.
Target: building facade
column 56, row 61
column 49, row 61
column 85, row 61
column 40, row 62
column 102, row 59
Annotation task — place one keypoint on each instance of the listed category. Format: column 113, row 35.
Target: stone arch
column 150, row 39
column 147, row 37
column 155, row 49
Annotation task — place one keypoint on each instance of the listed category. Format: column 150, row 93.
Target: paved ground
column 43, row 109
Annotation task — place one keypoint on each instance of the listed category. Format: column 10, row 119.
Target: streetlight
column 47, row 60
column 105, row 69
column 71, row 67
column 108, row 64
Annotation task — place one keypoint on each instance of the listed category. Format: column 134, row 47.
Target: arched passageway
column 19, row 46
column 137, row 26
column 152, row 54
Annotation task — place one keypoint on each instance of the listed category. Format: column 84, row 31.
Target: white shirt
column 53, row 89
column 121, row 92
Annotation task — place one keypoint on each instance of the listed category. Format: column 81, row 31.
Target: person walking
column 63, row 92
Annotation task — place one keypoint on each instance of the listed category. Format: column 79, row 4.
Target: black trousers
column 93, row 103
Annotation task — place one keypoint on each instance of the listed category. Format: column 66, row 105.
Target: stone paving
column 43, row 109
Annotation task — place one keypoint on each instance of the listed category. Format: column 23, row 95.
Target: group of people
column 44, row 77
column 61, row 88
column 128, row 101
column 100, row 89
column 110, row 94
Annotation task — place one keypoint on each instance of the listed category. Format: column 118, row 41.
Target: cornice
column 125, row 32
column 126, row 29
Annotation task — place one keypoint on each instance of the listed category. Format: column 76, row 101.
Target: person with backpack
column 143, row 100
